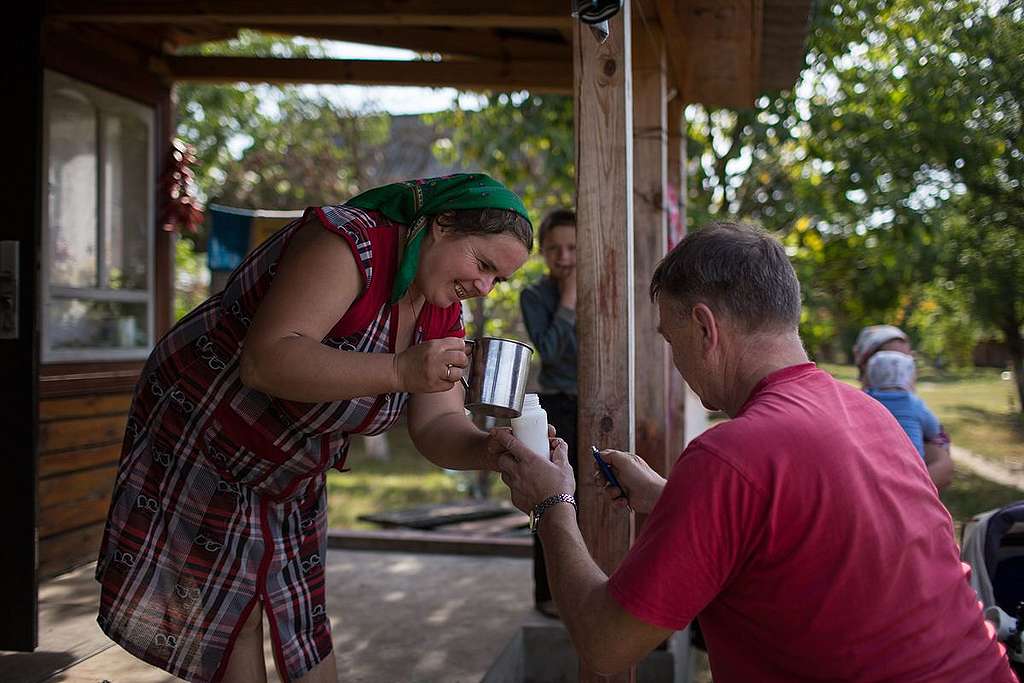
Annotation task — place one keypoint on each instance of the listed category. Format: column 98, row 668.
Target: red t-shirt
column 807, row 536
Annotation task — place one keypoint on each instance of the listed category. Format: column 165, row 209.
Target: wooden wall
column 82, row 416
column 83, row 407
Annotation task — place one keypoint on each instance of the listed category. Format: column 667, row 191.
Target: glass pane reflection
column 81, row 323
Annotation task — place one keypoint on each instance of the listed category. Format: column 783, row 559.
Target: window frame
column 105, row 103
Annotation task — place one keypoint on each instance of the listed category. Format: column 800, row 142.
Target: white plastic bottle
column 531, row 427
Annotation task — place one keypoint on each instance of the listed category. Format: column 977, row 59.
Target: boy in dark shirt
column 549, row 311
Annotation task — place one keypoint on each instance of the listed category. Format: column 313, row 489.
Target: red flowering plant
column 180, row 210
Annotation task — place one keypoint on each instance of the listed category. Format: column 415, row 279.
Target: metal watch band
column 544, row 505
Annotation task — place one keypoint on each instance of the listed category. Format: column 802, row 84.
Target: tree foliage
column 526, row 141
column 274, row 147
column 918, row 108
column 891, row 171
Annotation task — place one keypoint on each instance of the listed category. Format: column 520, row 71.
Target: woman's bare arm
column 443, row 433
column 317, row 281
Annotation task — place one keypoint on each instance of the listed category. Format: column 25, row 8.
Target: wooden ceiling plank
column 462, row 13
column 482, row 44
column 503, row 76
column 712, row 49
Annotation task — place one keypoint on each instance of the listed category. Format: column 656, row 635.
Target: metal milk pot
column 498, row 371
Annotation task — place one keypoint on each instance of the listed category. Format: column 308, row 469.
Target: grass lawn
column 973, row 406
column 977, row 408
column 404, row 480
column 970, row 494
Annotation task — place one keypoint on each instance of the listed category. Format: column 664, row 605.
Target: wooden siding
column 79, row 445
column 83, row 406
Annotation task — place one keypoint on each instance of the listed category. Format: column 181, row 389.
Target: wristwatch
column 542, row 507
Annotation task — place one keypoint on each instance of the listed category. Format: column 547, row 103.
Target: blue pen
column 609, row 475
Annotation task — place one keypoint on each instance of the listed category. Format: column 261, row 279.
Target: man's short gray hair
column 735, row 269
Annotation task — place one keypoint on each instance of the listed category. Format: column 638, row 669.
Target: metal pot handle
column 464, row 379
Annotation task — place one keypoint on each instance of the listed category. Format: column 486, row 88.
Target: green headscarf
column 412, row 203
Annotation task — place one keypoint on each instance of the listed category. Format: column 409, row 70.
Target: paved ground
column 395, row 617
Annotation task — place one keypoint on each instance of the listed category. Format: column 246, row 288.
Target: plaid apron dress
column 220, row 499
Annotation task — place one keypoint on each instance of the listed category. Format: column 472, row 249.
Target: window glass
column 99, row 302
column 72, row 190
column 126, row 140
column 90, row 324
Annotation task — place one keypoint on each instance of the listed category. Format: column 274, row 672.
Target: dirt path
column 986, row 468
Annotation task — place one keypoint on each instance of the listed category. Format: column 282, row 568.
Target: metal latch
column 8, row 289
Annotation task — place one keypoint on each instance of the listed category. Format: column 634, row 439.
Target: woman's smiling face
column 454, row 267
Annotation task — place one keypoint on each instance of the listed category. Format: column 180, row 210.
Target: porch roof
column 721, row 52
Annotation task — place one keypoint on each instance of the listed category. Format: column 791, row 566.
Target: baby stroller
column 993, row 545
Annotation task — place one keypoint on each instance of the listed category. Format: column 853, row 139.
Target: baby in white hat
column 890, row 378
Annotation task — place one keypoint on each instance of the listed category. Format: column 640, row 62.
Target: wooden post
column 604, row 191
column 19, row 354
column 164, row 241
column 650, row 227
column 687, row 417
column 676, row 230
column 676, row 170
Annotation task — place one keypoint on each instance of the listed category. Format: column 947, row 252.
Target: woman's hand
column 640, row 484
column 432, row 366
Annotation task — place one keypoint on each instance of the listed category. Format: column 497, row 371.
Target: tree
column 523, row 139
column 924, row 108
column 277, row 147
column 526, row 141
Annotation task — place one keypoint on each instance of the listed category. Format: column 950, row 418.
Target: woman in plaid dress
column 329, row 329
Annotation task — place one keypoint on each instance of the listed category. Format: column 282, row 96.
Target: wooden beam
column 650, row 229
column 604, row 191
column 755, row 49
column 103, row 59
column 783, row 44
column 254, row 13
column 476, row 43
column 678, row 54
column 179, row 36
column 534, row 76
column 715, row 49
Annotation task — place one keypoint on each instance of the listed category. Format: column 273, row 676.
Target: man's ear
column 707, row 326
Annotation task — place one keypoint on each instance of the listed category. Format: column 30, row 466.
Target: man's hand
column 640, row 484
column 497, row 440
column 530, row 477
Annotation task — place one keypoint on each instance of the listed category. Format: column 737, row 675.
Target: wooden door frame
column 19, row 358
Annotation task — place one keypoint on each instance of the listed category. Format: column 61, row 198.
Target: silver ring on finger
column 448, row 372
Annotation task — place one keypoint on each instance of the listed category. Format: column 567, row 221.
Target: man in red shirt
column 804, row 532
